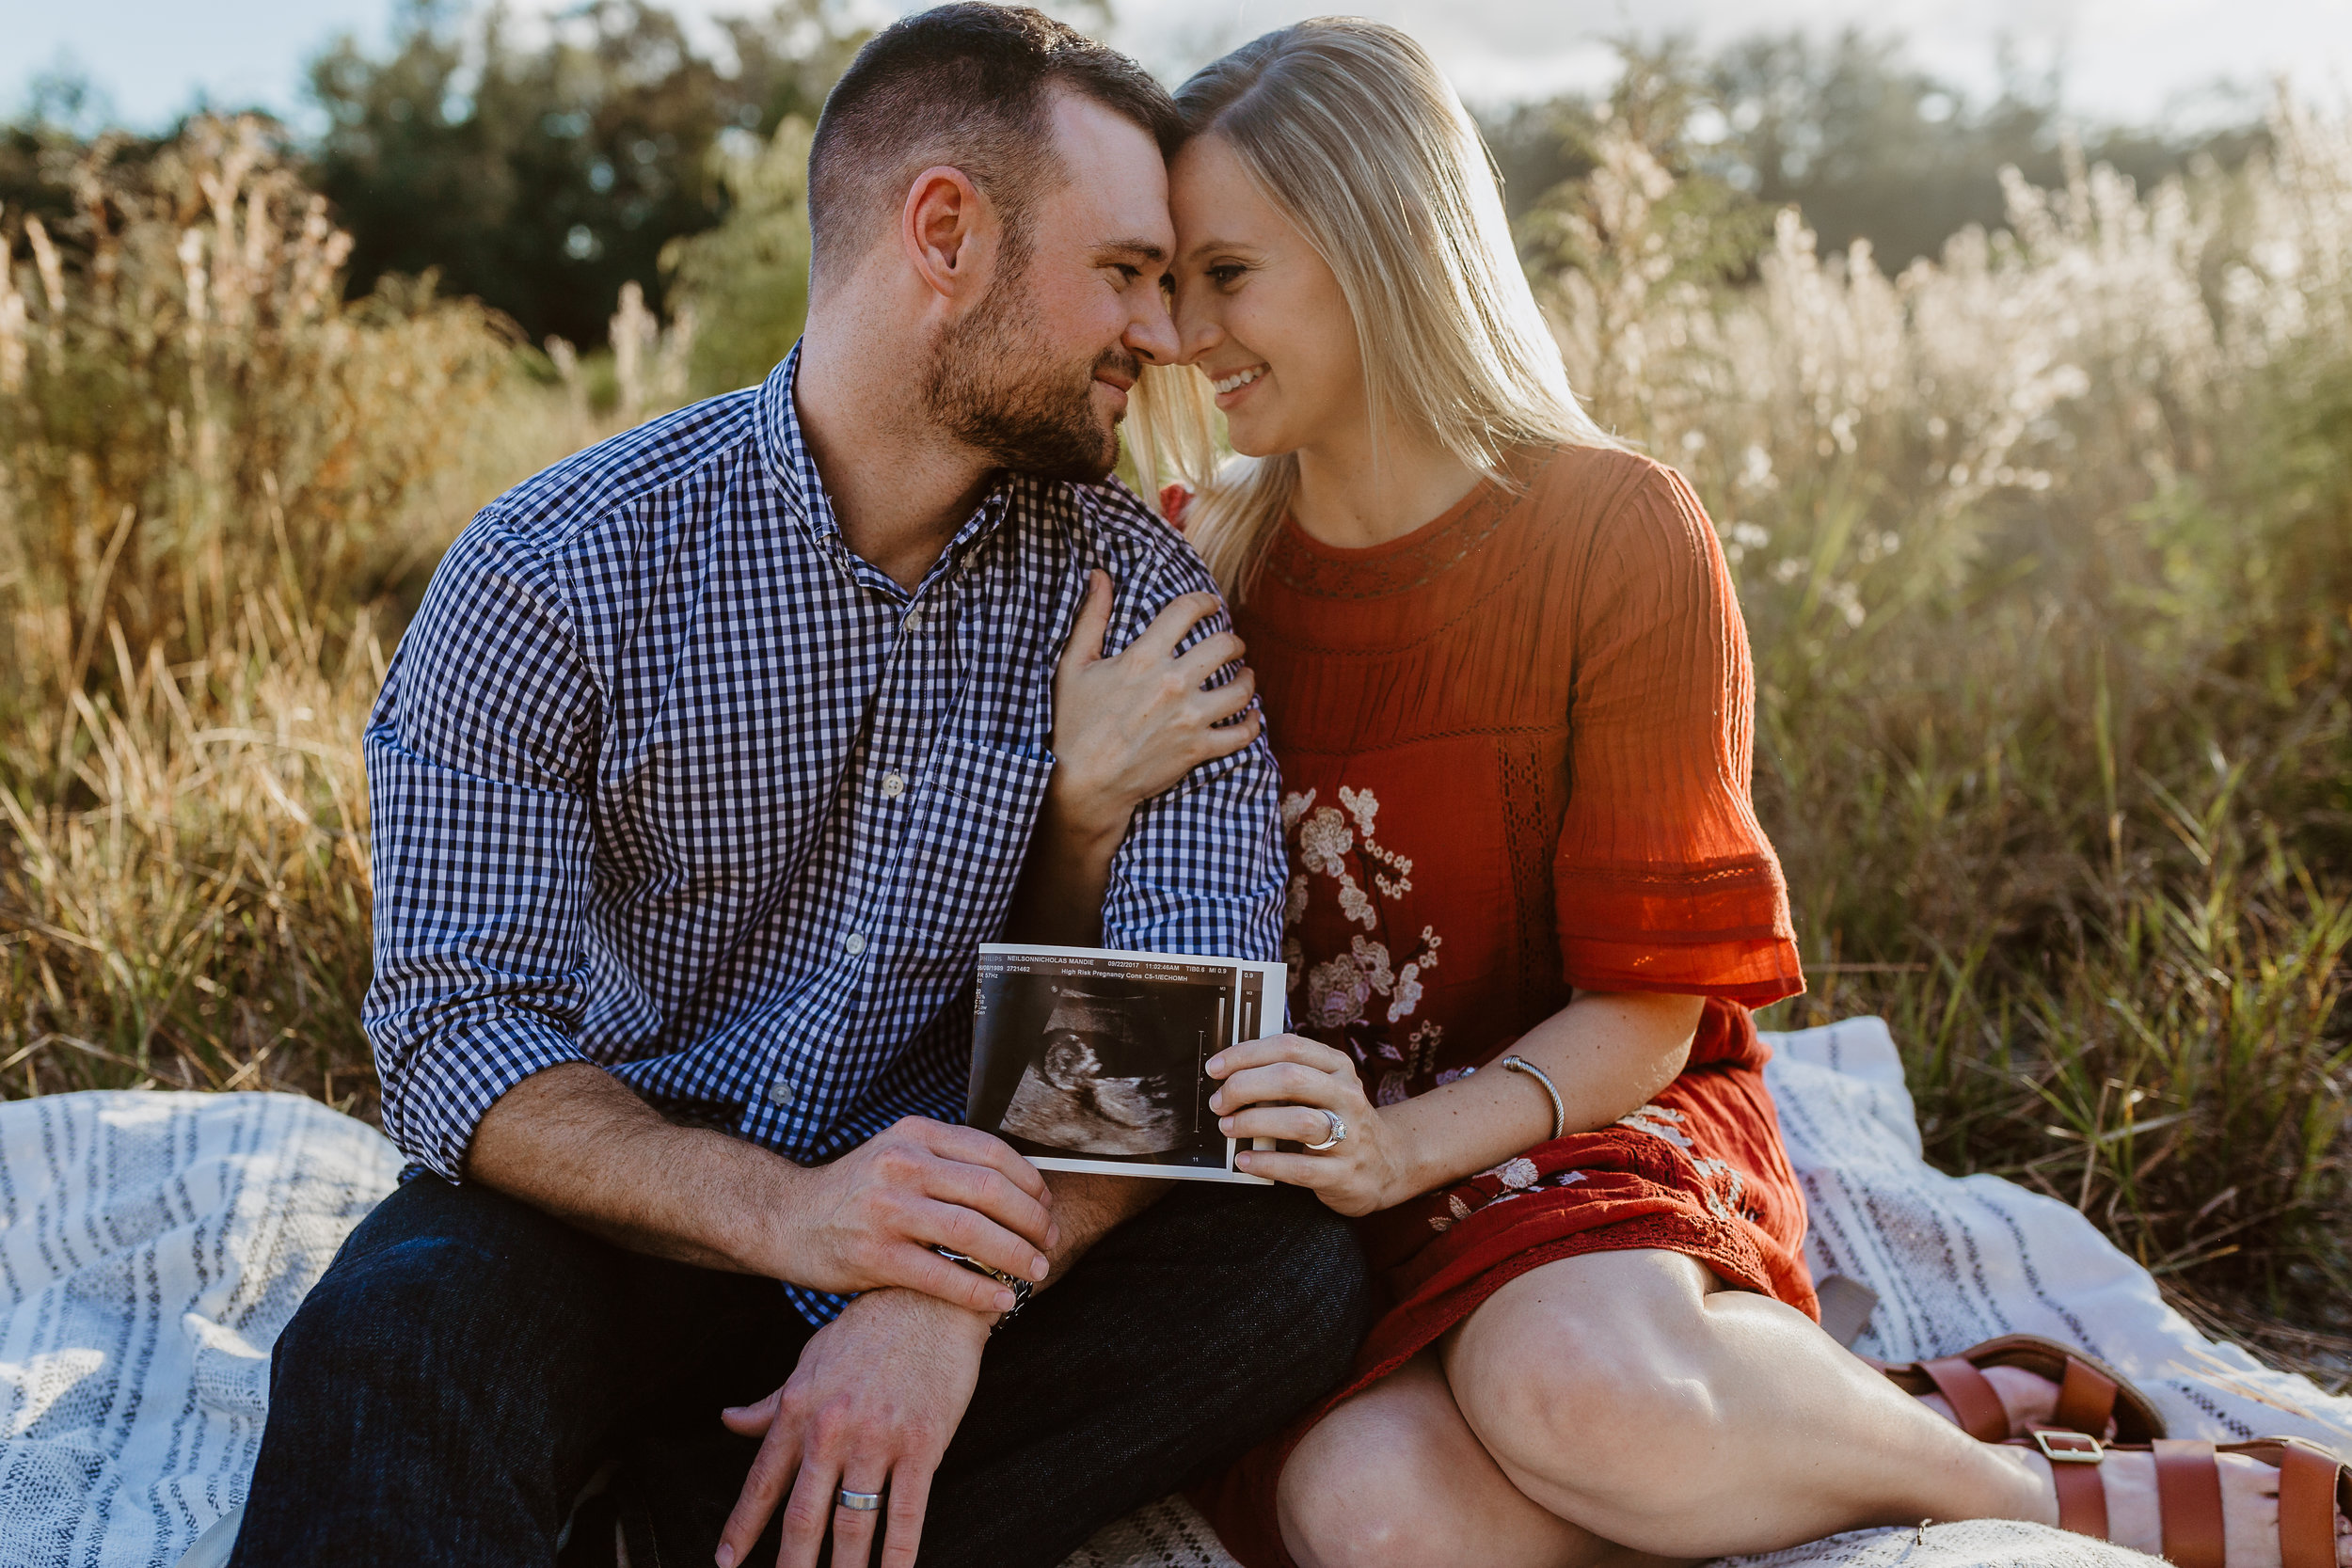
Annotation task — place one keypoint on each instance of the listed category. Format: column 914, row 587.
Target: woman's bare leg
column 1625, row 1392
column 1628, row 1397
column 1631, row 1394
column 1395, row 1479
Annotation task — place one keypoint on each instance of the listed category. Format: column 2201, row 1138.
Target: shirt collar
column 794, row 465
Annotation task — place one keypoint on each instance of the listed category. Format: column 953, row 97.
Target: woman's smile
column 1229, row 388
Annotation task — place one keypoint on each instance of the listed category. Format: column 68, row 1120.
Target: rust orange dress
column 1516, row 753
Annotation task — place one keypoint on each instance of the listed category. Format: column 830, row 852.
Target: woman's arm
column 1607, row 1054
column 1125, row 728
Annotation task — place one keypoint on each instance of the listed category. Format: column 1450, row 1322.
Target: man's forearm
column 575, row 1141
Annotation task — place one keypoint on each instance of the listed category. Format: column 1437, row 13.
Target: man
column 710, row 757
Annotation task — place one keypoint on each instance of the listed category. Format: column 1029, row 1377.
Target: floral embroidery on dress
column 1337, row 991
column 1658, row 1120
column 1364, row 807
column 1721, row 1174
column 1329, row 842
column 1516, row 1178
column 1721, row 1183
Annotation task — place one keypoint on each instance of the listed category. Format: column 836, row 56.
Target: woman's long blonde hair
column 1351, row 132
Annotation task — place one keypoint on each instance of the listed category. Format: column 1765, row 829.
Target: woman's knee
column 1587, row 1393
column 1585, row 1410
column 1348, row 1501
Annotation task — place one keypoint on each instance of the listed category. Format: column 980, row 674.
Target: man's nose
column 1150, row 333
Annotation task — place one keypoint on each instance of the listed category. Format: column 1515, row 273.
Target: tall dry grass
column 2046, row 553
column 217, row 482
column 2043, row 550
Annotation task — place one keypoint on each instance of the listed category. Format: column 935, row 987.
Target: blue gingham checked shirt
column 666, row 778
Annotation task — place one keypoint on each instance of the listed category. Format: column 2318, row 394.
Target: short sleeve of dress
column 1664, row 879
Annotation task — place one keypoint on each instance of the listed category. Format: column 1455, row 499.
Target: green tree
column 541, row 179
column 747, row 279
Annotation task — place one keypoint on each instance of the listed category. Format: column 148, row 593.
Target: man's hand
column 877, row 1394
column 575, row 1141
column 871, row 1406
column 871, row 1219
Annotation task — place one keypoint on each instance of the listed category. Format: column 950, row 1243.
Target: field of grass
column 2046, row 552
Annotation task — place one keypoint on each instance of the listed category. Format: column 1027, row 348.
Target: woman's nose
column 1197, row 332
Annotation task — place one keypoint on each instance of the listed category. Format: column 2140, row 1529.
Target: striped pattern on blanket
column 152, row 1245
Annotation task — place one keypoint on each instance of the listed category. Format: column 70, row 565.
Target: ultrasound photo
column 1093, row 1060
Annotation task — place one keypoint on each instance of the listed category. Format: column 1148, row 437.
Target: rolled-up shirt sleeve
column 479, row 755
column 1201, row 870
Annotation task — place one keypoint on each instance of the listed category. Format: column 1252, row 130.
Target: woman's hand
column 1279, row 1087
column 1129, row 727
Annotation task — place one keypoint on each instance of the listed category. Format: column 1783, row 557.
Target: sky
column 2139, row 61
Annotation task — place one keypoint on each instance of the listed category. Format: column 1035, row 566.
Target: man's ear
column 947, row 229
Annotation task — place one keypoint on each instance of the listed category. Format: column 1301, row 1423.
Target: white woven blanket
column 152, row 1246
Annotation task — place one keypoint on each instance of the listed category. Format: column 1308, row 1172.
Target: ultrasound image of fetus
column 1100, row 1086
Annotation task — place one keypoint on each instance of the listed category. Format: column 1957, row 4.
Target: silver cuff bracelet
column 1559, row 1111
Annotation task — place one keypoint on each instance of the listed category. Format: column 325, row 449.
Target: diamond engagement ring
column 860, row 1502
column 1339, row 1134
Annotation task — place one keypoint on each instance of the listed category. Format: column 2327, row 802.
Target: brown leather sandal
column 2313, row 1487
column 2093, row 1399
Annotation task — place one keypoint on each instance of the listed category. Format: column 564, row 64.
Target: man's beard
column 993, row 389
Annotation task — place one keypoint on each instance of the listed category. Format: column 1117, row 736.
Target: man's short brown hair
column 967, row 86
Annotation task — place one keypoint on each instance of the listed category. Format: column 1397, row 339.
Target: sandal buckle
column 2068, row 1447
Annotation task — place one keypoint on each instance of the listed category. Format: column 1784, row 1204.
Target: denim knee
column 434, row 1293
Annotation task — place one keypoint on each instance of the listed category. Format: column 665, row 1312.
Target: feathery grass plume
column 2046, row 552
column 216, row 480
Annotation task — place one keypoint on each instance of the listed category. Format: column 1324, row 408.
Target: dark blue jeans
column 467, row 1365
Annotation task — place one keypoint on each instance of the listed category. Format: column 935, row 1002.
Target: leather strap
column 2085, row 1398
column 2307, row 1507
column 2188, row 1490
column 2082, row 1499
column 1974, row 1404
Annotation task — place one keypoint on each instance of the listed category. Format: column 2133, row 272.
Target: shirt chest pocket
column 978, row 803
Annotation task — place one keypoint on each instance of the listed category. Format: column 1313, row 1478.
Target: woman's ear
column 945, row 229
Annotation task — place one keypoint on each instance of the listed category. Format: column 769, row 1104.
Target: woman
column 1503, row 668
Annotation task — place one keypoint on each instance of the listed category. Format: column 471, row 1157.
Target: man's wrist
column 1085, row 815
column 769, row 1224
column 956, row 1324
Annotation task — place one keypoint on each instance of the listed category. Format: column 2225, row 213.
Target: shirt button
column 780, row 1092
column 854, row 944
column 893, row 786
column 913, row 620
